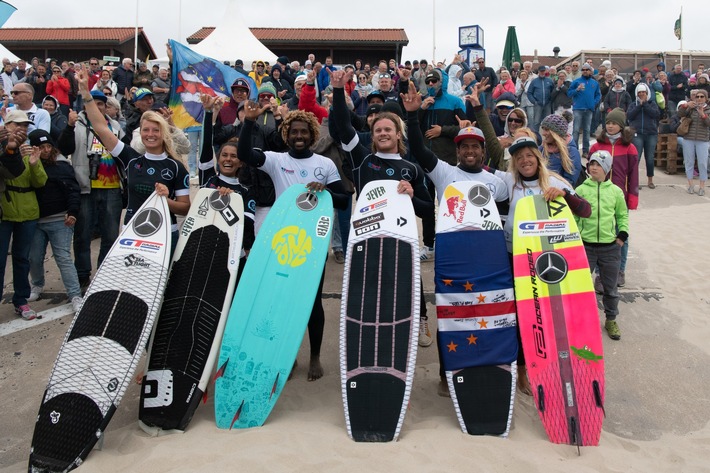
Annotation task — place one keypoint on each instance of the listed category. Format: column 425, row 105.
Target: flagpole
column 135, row 40
column 433, row 29
column 681, row 39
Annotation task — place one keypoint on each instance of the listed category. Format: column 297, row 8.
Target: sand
column 657, row 378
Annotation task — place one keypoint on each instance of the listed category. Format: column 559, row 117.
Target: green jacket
column 609, row 218
column 19, row 202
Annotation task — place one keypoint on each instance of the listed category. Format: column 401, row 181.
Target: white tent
column 230, row 40
column 4, row 52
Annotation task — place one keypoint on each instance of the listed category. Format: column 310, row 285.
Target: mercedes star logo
column 319, row 173
column 147, row 222
column 307, row 201
column 551, row 267
column 166, row 174
column 218, row 202
column 479, row 195
column 406, row 174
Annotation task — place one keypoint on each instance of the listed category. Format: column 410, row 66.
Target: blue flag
column 475, row 301
column 194, row 75
column 6, row 11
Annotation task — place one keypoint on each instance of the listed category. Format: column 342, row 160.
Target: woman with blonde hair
column 528, row 174
column 156, row 169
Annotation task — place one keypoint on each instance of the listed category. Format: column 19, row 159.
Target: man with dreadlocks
column 298, row 165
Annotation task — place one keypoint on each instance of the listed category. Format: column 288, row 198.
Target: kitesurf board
column 379, row 317
column 475, row 308
column 272, row 306
column 559, row 322
column 104, row 343
column 197, row 299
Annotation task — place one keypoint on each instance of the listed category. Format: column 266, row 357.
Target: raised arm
column 252, row 156
column 98, row 121
column 412, row 102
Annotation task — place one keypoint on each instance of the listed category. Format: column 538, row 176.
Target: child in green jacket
column 604, row 232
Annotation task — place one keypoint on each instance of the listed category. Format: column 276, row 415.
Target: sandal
column 651, row 185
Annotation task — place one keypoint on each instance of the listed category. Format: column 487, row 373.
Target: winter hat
column 606, row 63
column 373, row 109
column 603, row 158
column 617, row 116
column 267, row 88
column 556, row 124
column 39, row 137
column 393, row 107
column 640, row 88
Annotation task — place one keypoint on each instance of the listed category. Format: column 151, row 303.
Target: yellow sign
column 292, row 245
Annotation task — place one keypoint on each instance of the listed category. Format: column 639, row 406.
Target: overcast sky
column 541, row 24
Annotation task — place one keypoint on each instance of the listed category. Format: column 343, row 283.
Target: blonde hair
column 398, row 125
column 543, row 174
column 155, row 117
column 564, row 152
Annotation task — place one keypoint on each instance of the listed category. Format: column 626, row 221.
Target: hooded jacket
column 609, row 212
column 19, row 202
column 58, row 120
column 443, row 112
column 643, row 116
column 61, row 194
column 625, row 164
column 617, row 99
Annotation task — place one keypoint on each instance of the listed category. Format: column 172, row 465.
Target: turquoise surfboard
column 271, row 307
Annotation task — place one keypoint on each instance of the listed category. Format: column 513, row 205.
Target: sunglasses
column 265, row 96
column 432, row 81
column 517, row 120
column 16, row 92
column 93, row 63
column 504, row 107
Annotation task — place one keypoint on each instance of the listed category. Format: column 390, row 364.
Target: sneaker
column 612, row 329
column 426, row 254
column 26, row 312
column 598, row 288
column 339, row 256
column 76, row 303
column 621, row 280
column 701, row 191
column 425, row 338
column 35, row 292
column 691, row 189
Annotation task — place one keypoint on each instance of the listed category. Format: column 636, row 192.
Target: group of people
column 334, row 129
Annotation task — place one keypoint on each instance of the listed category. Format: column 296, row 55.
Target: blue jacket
column 540, row 90
column 588, row 98
column 323, row 77
column 554, row 163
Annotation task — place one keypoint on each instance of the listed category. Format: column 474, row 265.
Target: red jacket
column 307, row 102
column 624, row 168
column 60, row 89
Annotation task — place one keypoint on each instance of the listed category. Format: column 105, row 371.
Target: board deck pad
column 197, row 299
column 559, row 321
column 379, row 313
column 475, row 309
column 271, row 307
column 104, row 343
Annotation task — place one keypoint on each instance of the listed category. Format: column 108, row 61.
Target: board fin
column 598, row 396
column 221, row 370
column 540, row 398
column 575, row 435
column 204, row 396
column 273, row 388
column 237, row 415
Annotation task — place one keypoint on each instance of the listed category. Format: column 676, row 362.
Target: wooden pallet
column 667, row 154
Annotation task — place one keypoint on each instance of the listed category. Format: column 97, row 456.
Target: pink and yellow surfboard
column 559, row 322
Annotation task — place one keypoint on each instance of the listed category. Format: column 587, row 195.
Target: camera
column 94, row 161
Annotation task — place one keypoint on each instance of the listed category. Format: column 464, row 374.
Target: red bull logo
column 455, row 204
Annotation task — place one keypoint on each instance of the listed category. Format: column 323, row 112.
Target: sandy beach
column 657, row 384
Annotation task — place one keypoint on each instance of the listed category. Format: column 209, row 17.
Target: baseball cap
column 522, row 142
column 141, row 93
column 98, row 95
column 375, row 93
column 505, row 103
column 470, row 132
column 243, row 83
column 587, row 66
column 432, row 75
column 300, row 78
column 17, row 116
column 374, row 108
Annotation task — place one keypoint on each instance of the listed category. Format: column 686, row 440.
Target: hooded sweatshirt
column 643, row 116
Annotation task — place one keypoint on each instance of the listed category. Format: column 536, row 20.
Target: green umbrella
column 511, row 51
